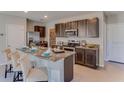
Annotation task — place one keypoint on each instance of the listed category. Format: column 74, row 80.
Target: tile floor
column 112, row 72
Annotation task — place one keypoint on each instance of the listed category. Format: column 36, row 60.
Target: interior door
column 115, row 42
column 15, row 35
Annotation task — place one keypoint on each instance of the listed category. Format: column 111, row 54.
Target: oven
column 69, row 48
column 71, row 45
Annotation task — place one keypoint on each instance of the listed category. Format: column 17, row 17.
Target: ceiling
column 39, row 15
column 52, row 15
column 113, row 12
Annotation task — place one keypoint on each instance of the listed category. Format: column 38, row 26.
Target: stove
column 69, row 48
column 71, row 45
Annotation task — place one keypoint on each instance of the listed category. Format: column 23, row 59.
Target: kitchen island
column 59, row 65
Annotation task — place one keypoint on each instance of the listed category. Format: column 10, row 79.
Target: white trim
column 101, row 66
column 49, row 35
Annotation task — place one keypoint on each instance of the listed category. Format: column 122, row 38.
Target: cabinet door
column 42, row 31
column 82, row 28
column 71, row 25
column 80, row 56
column 62, row 30
column 57, row 28
column 67, row 26
column 75, row 25
column 36, row 28
column 90, row 58
column 93, row 27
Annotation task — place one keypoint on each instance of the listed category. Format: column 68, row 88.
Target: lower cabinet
column 91, row 58
column 80, row 56
column 87, row 57
column 68, row 69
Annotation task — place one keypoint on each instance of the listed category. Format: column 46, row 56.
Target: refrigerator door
column 36, row 37
column 33, row 36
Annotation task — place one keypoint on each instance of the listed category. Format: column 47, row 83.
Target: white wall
column 99, row 40
column 115, row 37
column 31, row 24
column 6, row 19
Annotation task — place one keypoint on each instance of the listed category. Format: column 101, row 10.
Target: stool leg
column 17, row 76
column 14, row 77
column 11, row 68
column 6, row 68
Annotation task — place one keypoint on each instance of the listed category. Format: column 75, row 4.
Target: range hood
column 71, row 30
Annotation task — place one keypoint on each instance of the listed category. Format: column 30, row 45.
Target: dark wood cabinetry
column 67, row 26
column 71, row 25
column 57, row 28
column 91, row 58
column 82, row 28
column 93, row 27
column 60, row 30
column 68, row 68
column 79, row 56
column 40, row 29
column 87, row 57
column 86, row 28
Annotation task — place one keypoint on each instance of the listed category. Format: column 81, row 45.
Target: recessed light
column 26, row 11
column 45, row 16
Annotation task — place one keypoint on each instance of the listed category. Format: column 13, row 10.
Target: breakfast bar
column 59, row 65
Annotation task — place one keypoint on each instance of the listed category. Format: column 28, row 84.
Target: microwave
column 71, row 32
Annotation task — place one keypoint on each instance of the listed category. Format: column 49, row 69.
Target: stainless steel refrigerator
column 33, row 37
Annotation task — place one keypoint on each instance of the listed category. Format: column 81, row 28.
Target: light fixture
column 26, row 11
column 45, row 16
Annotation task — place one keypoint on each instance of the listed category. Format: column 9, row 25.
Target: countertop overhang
column 54, row 57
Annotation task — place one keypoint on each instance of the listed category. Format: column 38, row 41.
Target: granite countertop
column 94, row 47
column 53, row 57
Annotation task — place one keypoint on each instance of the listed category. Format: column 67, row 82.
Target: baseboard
column 102, row 66
column 106, row 60
column 115, row 62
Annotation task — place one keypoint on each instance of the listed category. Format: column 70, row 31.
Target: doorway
column 52, row 38
column 16, row 36
column 115, row 38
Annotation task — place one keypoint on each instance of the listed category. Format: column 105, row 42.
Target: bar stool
column 8, row 62
column 16, row 66
column 32, row 74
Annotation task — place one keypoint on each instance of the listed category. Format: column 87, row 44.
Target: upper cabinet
column 82, row 28
column 93, row 27
column 57, row 28
column 40, row 29
column 86, row 28
column 60, row 29
column 71, row 25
